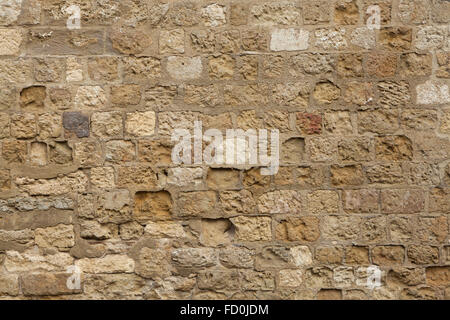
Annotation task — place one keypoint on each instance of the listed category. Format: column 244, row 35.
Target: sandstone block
column 282, row 201
column 140, row 123
column 304, row 229
column 107, row 264
column 182, row 68
column 289, row 40
column 152, row 206
column 171, row 41
column 252, row 228
column 10, row 42
column 46, row 284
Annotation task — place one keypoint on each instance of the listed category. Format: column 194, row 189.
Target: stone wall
column 87, row 183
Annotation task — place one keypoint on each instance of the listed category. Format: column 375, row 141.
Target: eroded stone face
column 184, row 68
column 88, row 180
column 289, row 40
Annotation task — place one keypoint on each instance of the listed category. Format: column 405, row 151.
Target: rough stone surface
column 183, row 68
column 10, row 41
column 289, row 40
column 87, row 177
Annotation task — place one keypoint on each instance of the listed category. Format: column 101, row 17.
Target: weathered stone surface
column 111, row 286
column 126, row 95
column 378, row 121
column 346, row 12
column 131, row 231
column 73, row 182
column 155, row 151
column 413, row 64
column 432, row 92
column 323, row 201
column 107, row 264
column 396, row 38
column 414, row 119
column 120, row 151
column 340, row 228
column 331, row 39
column 49, row 126
column 184, row 68
column 14, row 151
column 251, row 280
column 222, row 179
column 88, row 178
column 140, row 123
column 350, row 65
column 9, row 285
column 445, row 122
column 90, row 97
column 237, row 202
column 355, row 255
column 152, row 205
column 221, row 67
column 129, row 40
column 171, row 41
column 422, row 254
column 252, row 228
column 194, row 257
column 430, row 37
column 61, row 237
column 438, row 276
column 107, row 124
column 102, row 178
column 304, row 229
column 164, row 230
column 275, row 14
column 432, row 229
column 185, row 177
column 10, row 41
column 355, row 149
column 322, row 149
column 94, row 230
column 360, row 201
column 413, row 11
column 207, row 96
column 388, row 255
column 142, row 176
column 347, row 175
column 402, row 201
column 283, row 201
column 363, row 38
column 311, row 63
column 141, row 68
column 381, row 64
column 100, row 69
column 443, row 60
column 214, row 15
column 215, row 232
column 200, row 204
column 46, row 284
column 23, row 125
column 289, row 40
column 329, row 255
column 113, row 207
column 48, row 70
column 326, row 92
column 32, row 261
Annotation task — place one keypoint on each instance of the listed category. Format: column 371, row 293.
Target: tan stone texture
column 88, row 181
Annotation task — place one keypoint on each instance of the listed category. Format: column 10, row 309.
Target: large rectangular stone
column 289, row 40
column 10, row 41
column 64, row 42
column 47, row 284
